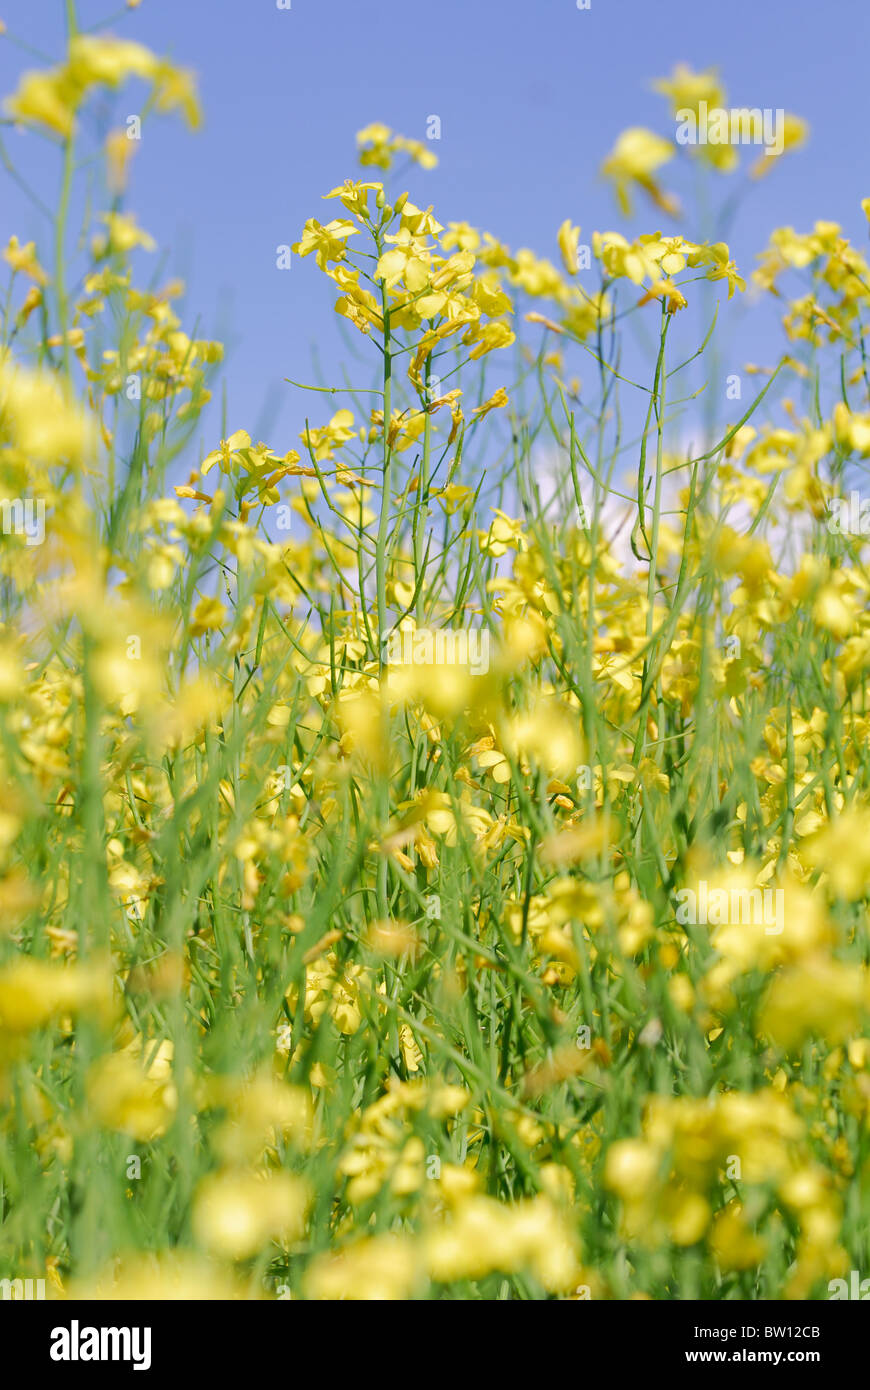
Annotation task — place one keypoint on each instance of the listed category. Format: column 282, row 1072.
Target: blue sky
column 531, row 97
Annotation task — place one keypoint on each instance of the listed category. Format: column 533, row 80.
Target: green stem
column 381, row 580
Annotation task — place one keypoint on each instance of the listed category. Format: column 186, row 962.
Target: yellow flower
column 667, row 291
column 175, row 89
column 324, row 440
column 208, row 614
column 851, row 429
column 171, row 1275
column 39, row 420
column 486, row 338
column 463, row 237
column 794, row 135
column 333, row 990
column 489, row 296
column 686, row 1214
column 842, row 851
column 622, row 258
column 259, row 1109
column 419, row 221
column 378, row 145
column 536, row 276
column 835, row 610
column 409, row 261
column 123, row 235
column 732, row 1240
column 355, row 303
column 228, row 454
column 718, row 258
column 355, row 196
column 377, row 1268
column 635, row 157
column 46, row 98
column 374, row 146
column 119, row 152
column 687, row 89
column 630, row 1168
column 504, row 533
column 416, row 150
column 131, row 1091
column 482, row 1235
column 328, row 243
column 549, row 735
column 820, row 997
column 236, row 1214
column 23, row 259
column 32, row 992
column 496, row 402
column 52, row 98
column 93, row 59
column 569, row 240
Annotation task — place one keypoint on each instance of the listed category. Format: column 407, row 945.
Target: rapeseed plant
column 328, row 974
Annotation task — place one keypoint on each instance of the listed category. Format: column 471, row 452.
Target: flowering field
column 434, row 848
